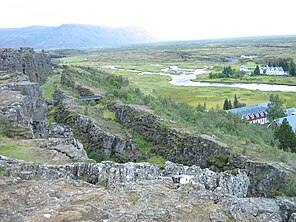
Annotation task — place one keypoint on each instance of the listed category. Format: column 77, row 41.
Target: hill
column 72, row 36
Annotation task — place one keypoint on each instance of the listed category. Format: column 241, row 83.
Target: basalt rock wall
column 121, row 148
column 174, row 145
column 25, row 61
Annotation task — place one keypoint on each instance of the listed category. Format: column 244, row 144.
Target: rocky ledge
column 131, row 192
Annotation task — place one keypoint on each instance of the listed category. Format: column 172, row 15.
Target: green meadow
column 212, row 56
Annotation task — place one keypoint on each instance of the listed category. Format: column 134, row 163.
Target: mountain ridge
column 72, row 36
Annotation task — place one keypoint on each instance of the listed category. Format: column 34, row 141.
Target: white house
column 278, row 71
column 243, row 68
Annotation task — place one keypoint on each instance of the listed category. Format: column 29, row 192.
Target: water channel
column 186, row 75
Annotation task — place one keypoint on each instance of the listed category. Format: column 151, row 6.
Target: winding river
column 185, row 80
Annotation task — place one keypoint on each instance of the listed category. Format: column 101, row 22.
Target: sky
column 165, row 19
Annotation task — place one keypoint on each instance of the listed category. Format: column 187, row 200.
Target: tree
column 225, row 105
column 292, row 70
column 256, row 71
column 275, row 108
column 229, row 104
column 235, row 102
column 287, row 138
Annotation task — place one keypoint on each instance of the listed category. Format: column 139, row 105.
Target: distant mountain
column 72, row 36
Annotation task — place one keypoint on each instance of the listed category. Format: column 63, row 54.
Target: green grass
column 133, row 199
column 156, row 160
column 144, row 146
column 74, row 59
column 49, row 90
column 213, row 96
column 250, row 79
column 12, row 149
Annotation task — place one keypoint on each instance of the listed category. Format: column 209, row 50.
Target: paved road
column 49, row 82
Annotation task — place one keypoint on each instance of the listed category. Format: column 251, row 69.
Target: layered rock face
column 25, row 61
column 266, row 178
column 174, row 145
column 121, row 148
column 21, row 101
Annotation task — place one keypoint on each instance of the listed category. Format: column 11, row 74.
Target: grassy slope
column 13, row 149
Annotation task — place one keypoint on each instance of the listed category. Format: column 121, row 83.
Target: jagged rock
column 21, row 101
column 292, row 218
column 104, row 171
column 64, row 141
column 253, row 209
column 112, row 145
column 266, row 178
column 224, row 183
column 134, row 192
column 72, row 148
column 23, row 106
column 25, row 61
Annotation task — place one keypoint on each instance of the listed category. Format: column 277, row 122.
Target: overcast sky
column 166, row 19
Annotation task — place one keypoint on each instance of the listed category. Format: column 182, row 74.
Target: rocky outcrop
column 267, row 179
column 174, row 145
column 255, row 209
column 112, row 146
column 128, row 192
column 106, row 171
column 222, row 183
column 23, row 104
column 25, row 61
column 21, row 101
column 63, row 141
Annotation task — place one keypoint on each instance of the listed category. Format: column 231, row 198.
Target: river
column 184, row 79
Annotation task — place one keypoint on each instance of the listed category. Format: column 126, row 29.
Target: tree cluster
column 236, row 104
column 227, row 72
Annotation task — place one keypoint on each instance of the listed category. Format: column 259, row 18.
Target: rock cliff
column 22, row 103
column 174, row 145
column 25, row 61
column 113, row 146
column 21, row 71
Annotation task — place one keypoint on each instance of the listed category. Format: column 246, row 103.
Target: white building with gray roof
column 276, row 71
